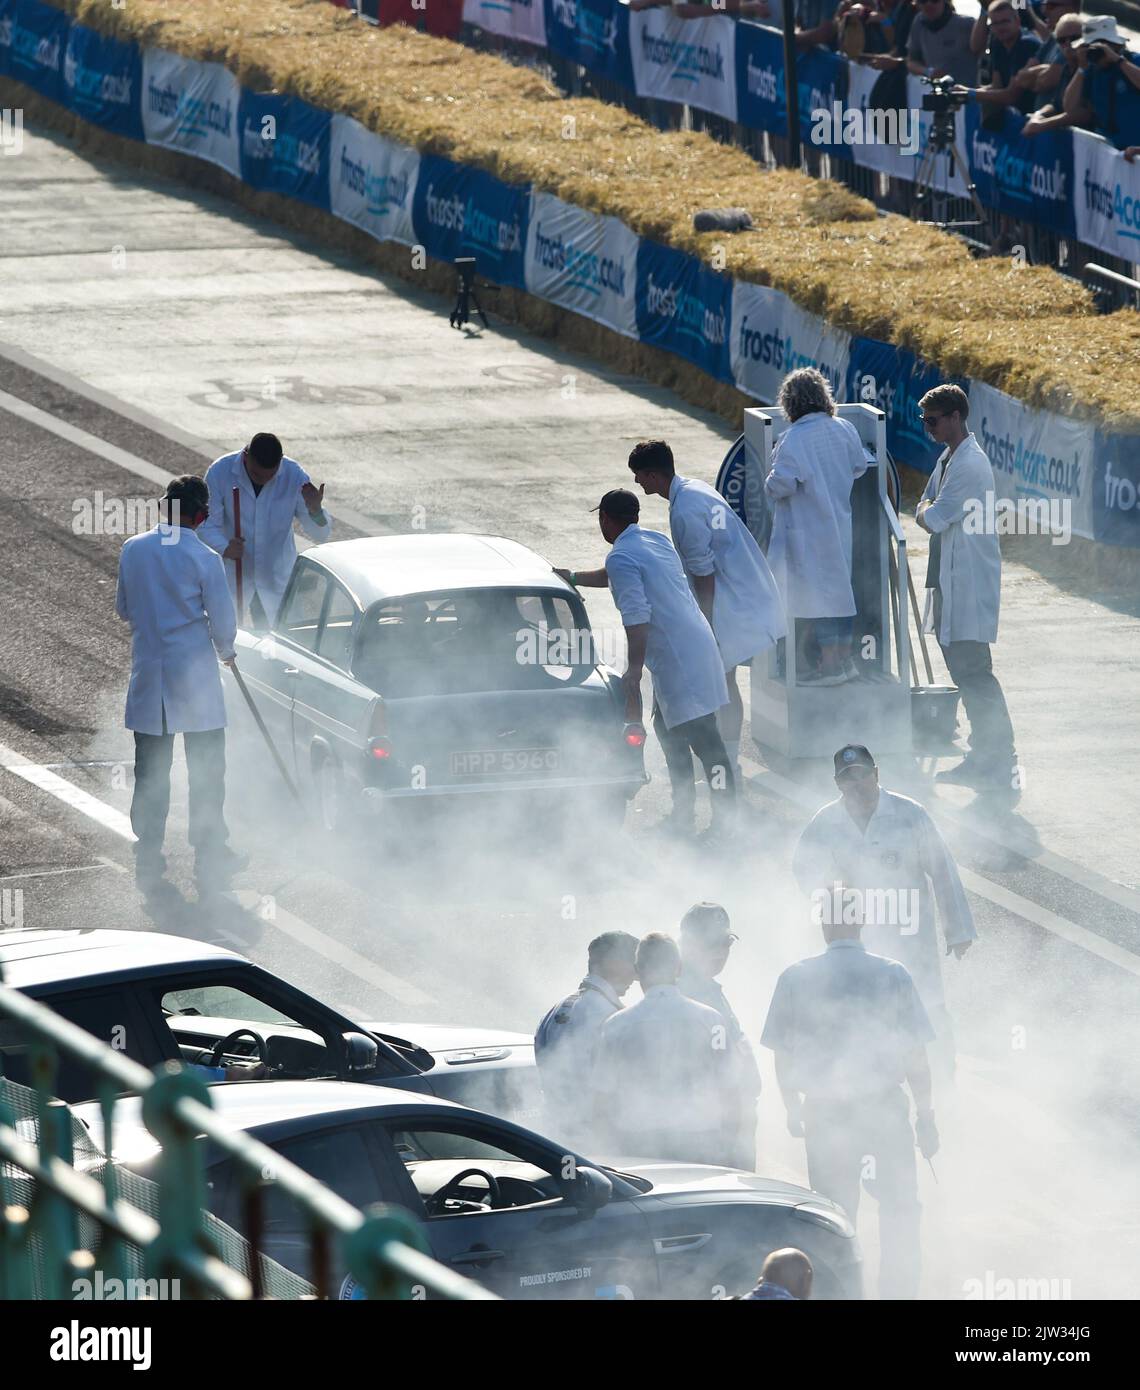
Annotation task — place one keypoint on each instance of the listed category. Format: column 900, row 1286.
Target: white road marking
column 65, row 791
column 90, row 442
column 403, row 991
column 79, row 387
column 131, row 462
column 51, row 873
column 982, row 887
column 317, row 941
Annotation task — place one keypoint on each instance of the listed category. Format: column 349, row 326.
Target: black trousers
column 702, row 737
column 150, row 804
column 971, row 670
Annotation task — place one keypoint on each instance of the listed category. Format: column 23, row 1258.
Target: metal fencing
column 68, row 1212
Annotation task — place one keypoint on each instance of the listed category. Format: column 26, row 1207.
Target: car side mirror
column 361, row 1053
column 588, row 1190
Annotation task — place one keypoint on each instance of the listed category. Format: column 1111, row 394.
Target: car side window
column 301, row 617
column 109, row 1015
column 437, row 1156
column 339, row 630
column 339, row 1158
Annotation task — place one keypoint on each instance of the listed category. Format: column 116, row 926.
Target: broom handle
column 237, row 562
column 894, row 578
column 918, row 625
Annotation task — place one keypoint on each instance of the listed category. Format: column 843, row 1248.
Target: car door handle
column 675, row 1245
column 291, row 671
column 476, row 1256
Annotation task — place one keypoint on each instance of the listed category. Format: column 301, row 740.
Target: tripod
column 466, row 298
column 941, row 141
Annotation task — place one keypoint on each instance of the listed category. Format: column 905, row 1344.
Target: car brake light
column 380, row 747
column 634, row 735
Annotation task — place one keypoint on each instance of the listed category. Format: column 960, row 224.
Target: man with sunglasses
column 275, row 491
column 1056, row 70
column 888, row 850
column 963, row 587
column 706, row 941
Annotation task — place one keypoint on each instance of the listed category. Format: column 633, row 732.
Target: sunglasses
column 930, row 419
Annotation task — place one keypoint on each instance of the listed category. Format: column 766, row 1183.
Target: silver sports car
column 438, row 666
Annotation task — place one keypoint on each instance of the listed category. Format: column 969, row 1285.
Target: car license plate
column 504, row 761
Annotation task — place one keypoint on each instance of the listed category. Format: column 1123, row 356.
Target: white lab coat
column 172, row 590
column 662, row 1065
column 266, row 526
column 814, row 464
column 901, row 850
column 969, row 574
column 648, row 585
column 748, row 616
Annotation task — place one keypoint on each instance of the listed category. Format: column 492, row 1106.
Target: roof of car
column 36, row 958
column 258, row 1106
column 378, row 567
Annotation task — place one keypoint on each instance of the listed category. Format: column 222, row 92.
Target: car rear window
column 479, row 639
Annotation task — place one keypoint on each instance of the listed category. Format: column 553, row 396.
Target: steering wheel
column 437, row 1201
column 223, row 1045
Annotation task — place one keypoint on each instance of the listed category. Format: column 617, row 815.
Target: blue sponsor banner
column 102, row 81
column 1031, row 179
column 285, row 147
column 893, row 379
column 466, row 212
column 33, row 38
column 760, row 102
column 593, row 34
column 684, row 307
column 821, row 78
column 1116, row 489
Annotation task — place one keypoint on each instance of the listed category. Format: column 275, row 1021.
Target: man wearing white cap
column 1105, row 90
column 726, row 570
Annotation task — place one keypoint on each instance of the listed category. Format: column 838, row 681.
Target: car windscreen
column 473, row 640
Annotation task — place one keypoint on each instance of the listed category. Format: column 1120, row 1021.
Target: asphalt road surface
column 215, row 325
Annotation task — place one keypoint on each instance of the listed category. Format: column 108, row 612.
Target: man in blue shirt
column 848, row 1028
column 1011, row 51
column 1105, row 90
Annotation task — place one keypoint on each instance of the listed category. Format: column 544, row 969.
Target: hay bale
column 828, row 250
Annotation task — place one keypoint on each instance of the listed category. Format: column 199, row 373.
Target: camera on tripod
column 466, row 298
column 942, row 98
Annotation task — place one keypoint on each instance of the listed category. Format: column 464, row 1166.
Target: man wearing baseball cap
column 706, row 940
column 666, row 632
column 888, row 849
column 1105, row 90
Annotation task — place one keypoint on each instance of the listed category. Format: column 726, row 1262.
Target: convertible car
column 437, row 666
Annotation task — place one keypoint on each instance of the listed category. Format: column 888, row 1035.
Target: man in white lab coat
column 172, row 591
column 963, row 587
column 887, row 849
column 275, row 492
column 666, row 632
column 663, row 1078
column 727, row 572
column 814, row 465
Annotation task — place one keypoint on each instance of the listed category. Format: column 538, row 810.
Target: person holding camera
column 1010, row 54
column 1104, row 94
column 940, row 43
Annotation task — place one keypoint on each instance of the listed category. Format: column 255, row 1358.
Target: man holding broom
column 255, row 496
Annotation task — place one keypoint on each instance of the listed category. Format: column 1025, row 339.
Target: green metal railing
column 59, row 1223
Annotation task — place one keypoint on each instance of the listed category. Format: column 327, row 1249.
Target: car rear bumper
column 372, row 797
